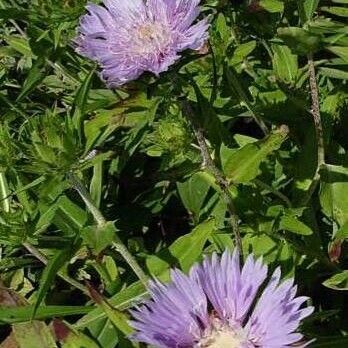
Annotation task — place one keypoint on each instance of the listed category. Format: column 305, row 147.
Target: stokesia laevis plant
column 220, row 305
column 129, row 37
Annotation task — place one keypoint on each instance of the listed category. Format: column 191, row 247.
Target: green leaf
column 104, row 332
column 338, row 281
column 340, row 51
column 342, row 233
column 4, row 193
column 80, row 102
column 272, row 6
column 243, row 165
column 97, row 183
column 54, row 265
column 193, row 193
column 334, row 73
column 334, row 193
column 70, row 338
column 33, row 335
column 223, row 29
column 20, row 44
column 13, row 315
column 242, row 51
column 122, row 300
column 34, row 78
column 292, row 224
column 285, row 64
column 184, row 251
column 78, row 340
column 117, row 318
column 336, row 10
column 333, row 173
column 99, row 237
column 69, row 215
column 299, row 40
column 307, row 9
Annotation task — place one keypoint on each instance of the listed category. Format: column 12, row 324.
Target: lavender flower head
column 217, row 306
column 128, row 37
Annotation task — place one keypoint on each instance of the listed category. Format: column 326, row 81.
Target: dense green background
column 137, row 155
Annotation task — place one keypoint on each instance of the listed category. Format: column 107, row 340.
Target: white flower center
column 223, row 337
column 150, row 37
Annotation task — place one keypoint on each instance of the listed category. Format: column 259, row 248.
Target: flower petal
column 128, row 38
column 230, row 290
column 277, row 316
column 175, row 317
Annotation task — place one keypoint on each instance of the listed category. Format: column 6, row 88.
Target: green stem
column 86, row 197
column 315, row 111
column 217, row 174
column 133, row 264
column 101, row 221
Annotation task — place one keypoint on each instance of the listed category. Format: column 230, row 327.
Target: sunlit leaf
column 338, row 281
column 243, row 165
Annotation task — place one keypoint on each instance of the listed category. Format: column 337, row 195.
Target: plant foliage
column 136, row 156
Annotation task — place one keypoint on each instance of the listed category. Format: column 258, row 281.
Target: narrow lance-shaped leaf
column 35, row 76
column 336, row 10
column 54, row 265
column 338, row 281
column 342, row 52
column 25, row 313
column 4, row 193
column 80, row 102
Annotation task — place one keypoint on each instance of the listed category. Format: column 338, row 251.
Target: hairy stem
column 315, row 111
column 132, row 262
column 219, row 177
column 101, row 221
column 86, row 197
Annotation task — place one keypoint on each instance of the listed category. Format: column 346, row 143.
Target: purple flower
column 128, row 37
column 218, row 305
